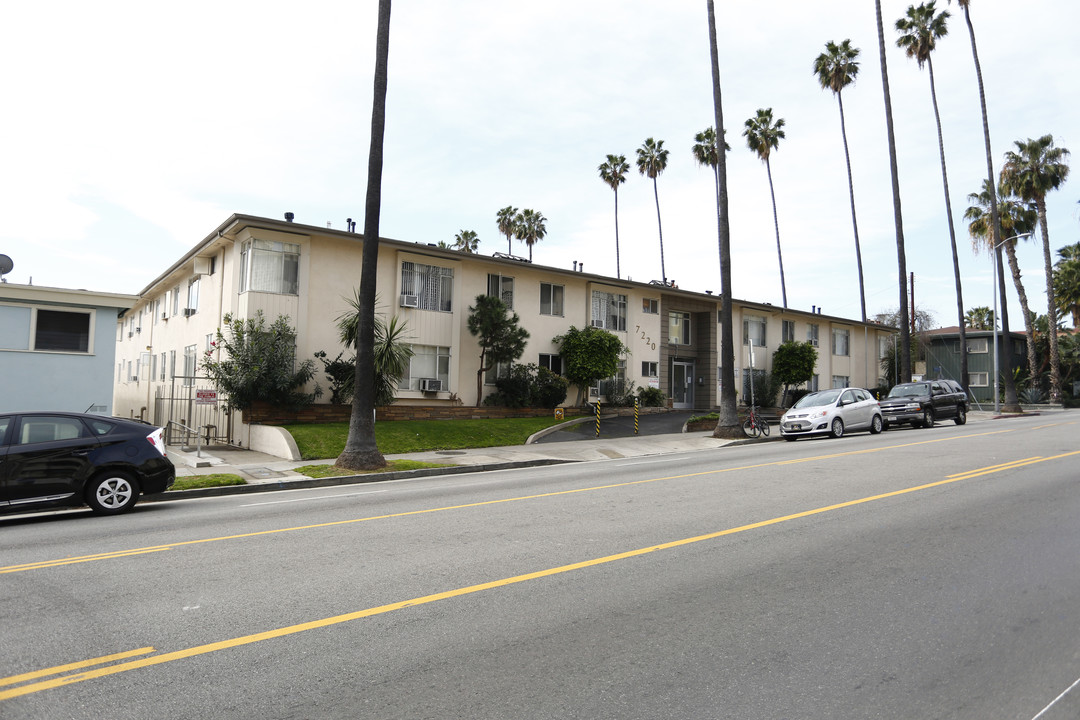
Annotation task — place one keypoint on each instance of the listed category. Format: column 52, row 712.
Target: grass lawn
column 190, row 482
column 327, row 440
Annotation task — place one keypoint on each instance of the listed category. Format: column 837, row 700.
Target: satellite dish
column 5, row 265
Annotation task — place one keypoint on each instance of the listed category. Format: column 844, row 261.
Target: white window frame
column 748, row 324
column 432, row 285
column 552, row 362
column 978, row 379
column 650, row 369
column 978, row 346
column 680, row 328
column 555, row 295
column 192, row 306
column 787, row 331
column 812, row 334
column 90, row 329
column 438, row 369
column 841, row 342
column 268, row 266
column 650, row 306
column 502, row 287
column 609, row 311
column 841, row 381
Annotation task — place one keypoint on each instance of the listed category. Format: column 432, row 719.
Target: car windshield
column 825, row 397
column 910, row 390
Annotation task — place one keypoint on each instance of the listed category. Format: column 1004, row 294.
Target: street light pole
column 994, row 254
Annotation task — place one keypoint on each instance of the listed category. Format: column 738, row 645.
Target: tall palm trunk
column 1029, row 328
column 360, row 450
column 1012, row 403
column 851, row 193
column 1051, row 306
column 776, row 224
column 617, row 273
column 901, row 256
column 952, row 234
column 727, row 426
column 660, row 228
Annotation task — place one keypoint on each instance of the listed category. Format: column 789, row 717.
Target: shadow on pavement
column 621, row 427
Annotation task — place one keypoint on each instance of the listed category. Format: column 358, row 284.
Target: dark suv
column 924, row 403
column 50, row 459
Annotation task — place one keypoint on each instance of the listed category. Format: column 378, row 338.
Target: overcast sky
column 131, row 130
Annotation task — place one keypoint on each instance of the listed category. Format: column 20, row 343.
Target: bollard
column 598, row 418
column 636, row 402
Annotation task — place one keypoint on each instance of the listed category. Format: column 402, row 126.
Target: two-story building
column 250, row 264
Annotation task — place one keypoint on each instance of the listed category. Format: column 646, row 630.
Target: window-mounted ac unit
column 593, row 392
column 131, row 333
column 430, row 385
column 410, row 301
column 138, row 330
column 134, row 378
column 164, row 316
column 598, row 323
column 813, row 342
column 188, row 312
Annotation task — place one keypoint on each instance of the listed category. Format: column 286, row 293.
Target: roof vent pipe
column 289, row 217
column 575, row 266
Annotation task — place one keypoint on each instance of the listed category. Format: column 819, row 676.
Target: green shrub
column 651, row 397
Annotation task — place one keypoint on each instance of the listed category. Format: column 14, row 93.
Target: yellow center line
column 182, row 543
column 468, row 590
column 16, row 679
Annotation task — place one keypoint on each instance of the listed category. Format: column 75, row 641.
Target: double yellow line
column 120, row 667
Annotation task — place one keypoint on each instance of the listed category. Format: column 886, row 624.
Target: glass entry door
column 682, row 384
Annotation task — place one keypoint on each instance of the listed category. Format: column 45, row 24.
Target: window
column 209, row 342
column 176, row 300
column 788, row 331
column 840, row 381
column 496, row 372
column 551, row 299
column 432, row 286
column 145, row 372
column 192, row 296
column 840, row 346
column 616, row 384
column 812, row 335
column 978, row 379
column 213, row 265
column 609, row 311
column 172, row 363
column 189, row 365
column 652, row 369
column 163, row 367
column 552, row 363
column 502, row 288
column 427, row 362
column 813, row 385
column 62, row 330
column 679, row 328
column 883, row 347
column 156, row 310
column 977, row 345
column 650, row 306
column 45, row 428
column 268, row 266
column 753, row 330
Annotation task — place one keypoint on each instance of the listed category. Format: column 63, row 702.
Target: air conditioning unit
column 134, row 378
column 188, row 312
column 164, row 316
column 138, row 330
column 410, row 301
column 131, row 333
column 594, row 392
column 430, row 385
column 598, row 323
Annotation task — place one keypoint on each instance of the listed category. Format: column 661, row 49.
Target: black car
column 50, row 459
column 925, row 402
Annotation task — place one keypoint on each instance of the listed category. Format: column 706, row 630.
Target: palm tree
column 706, row 153
column 1030, row 172
column 919, row 32
column 651, row 161
column 361, row 452
column 506, row 219
column 1067, row 282
column 1011, row 403
column 763, row 135
column 727, row 424
column 530, row 227
column 613, row 172
column 980, row 318
column 466, row 241
column 836, row 68
column 901, row 255
column 1014, row 218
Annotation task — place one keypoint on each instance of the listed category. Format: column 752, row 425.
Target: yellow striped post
column 636, row 403
column 598, row 417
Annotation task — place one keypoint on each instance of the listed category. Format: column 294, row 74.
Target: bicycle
column 755, row 425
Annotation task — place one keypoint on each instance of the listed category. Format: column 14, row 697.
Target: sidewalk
column 267, row 472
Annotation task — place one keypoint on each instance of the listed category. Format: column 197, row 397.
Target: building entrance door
column 682, row 384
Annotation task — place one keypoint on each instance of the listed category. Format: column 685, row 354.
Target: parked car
column 923, row 403
column 832, row 412
column 50, row 459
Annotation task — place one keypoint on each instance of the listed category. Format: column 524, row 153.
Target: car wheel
column 928, row 418
column 961, row 416
column 876, row 425
column 112, row 493
column 837, row 428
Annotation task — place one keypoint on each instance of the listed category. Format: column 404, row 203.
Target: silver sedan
column 832, row 412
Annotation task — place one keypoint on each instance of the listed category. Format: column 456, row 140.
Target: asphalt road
column 914, row 574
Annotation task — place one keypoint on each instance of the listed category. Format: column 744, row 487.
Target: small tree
column 497, row 331
column 793, row 364
column 589, row 355
column 392, row 353
column 260, row 364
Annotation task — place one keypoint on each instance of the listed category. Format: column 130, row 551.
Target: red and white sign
column 206, row 397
